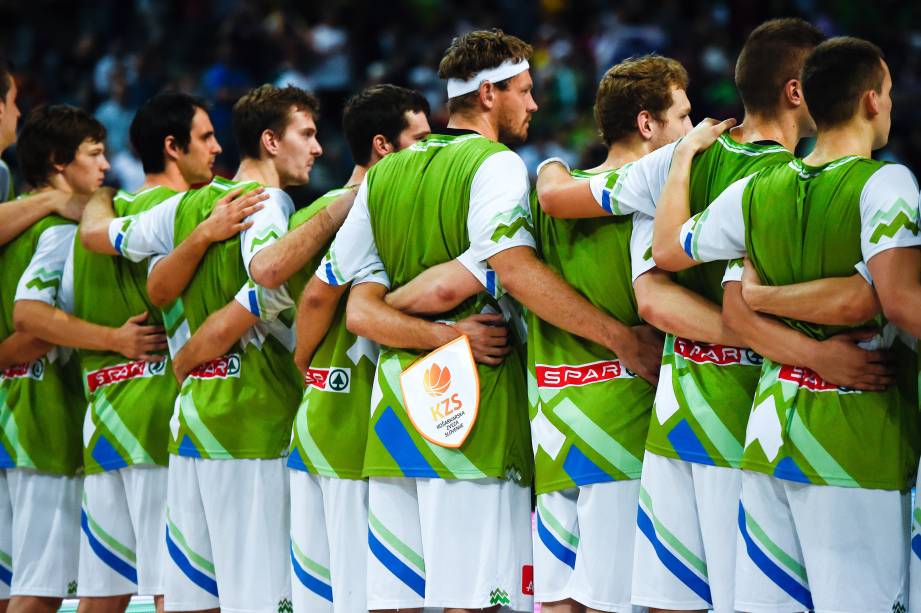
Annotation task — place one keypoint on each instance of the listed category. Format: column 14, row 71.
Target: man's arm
column 835, row 301
column 17, row 215
column 838, row 360
column 19, row 348
column 214, row 337
column 315, row 313
column 437, row 290
column 171, row 274
column 897, row 278
column 560, row 195
column 274, row 264
column 94, row 226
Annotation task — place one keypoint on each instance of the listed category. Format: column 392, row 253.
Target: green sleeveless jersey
column 130, row 401
column 804, row 223
column 418, row 207
column 242, row 404
column 589, row 414
column 331, row 425
column 41, row 407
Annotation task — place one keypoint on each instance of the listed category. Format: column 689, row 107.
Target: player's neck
column 358, row 175
column 55, row 181
column 782, row 129
column 170, row 178
column 260, row 171
column 623, row 152
column 478, row 122
column 839, row 142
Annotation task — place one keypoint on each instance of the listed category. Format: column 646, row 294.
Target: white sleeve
column 140, row 236
column 42, row 278
column 889, row 211
column 264, row 303
column 641, row 245
column 634, row 187
column 66, row 295
column 734, row 270
column 499, row 217
column 270, row 223
column 483, row 273
column 717, row 232
column 864, row 271
column 353, row 254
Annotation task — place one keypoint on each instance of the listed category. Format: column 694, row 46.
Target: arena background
column 110, row 55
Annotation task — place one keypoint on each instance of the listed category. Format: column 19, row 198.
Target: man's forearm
column 214, row 337
column 58, row 327
column 436, row 290
column 171, row 275
column 672, row 210
column 835, row 301
column 562, row 196
column 17, row 215
column 275, row 264
column 22, row 348
column 94, row 226
column 315, row 313
column 369, row 316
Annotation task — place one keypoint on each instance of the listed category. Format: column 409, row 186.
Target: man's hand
column 138, row 341
column 842, row 362
column 641, row 352
column 704, row 134
column 69, row 205
column 228, row 217
column 488, row 337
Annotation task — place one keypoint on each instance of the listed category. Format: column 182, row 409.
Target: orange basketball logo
column 437, row 380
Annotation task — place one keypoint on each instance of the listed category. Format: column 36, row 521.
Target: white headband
column 505, row 70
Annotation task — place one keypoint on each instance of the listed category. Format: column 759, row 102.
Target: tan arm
column 21, row 348
column 213, row 338
column 17, row 215
column 437, row 290
column 560, row 195
column 315, row 313
column 897, row 277
column 94, row 226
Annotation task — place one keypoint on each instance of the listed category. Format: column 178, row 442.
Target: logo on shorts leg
column 72, row 588
column 284, row 606
column 527, row 580
column 898, row 607
column 499, row 596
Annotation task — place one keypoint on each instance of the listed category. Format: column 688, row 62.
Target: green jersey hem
column 669, row 452
column 770, row 470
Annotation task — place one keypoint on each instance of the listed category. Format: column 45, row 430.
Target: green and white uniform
column 41, row 410
column 418, row 208
column 683, row 554
column 589, row 419
column 798, row 223
column 126, row 427
column 329, row 541
column 235, row 408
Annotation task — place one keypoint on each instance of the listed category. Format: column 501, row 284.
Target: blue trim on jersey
column 107, row 456
column 195, row 576
column 111, row 560
column 330, row 277
column 606, row 200
column 400, row 446
column 687, row 445
column 396, row 566
column 253, row 302
column 560, row 551
column 6, row 575
column 581, row 469
column 188, row 449
column 770, row 569
column 6, row 460
column 789, row 470
column 118, row 243
column 671, row 561
column 296, row 462
column 916, row 544
column 687, row 244
column 491, row 282
column 313, row 584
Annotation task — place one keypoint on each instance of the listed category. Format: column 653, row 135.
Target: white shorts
column 583, row 548
column 45, row 541
column 915, row 571
column 122, row 549
column 227, row 535
column 685, row 535
column 329, row 543
column 820, row 547
column 449, row 543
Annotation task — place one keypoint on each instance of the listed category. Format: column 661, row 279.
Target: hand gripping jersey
column 331, row 425
column 418, row 208
column 800, row 223
column 41, row 407
column 130, row 401
column 589, row 414
column 701, row 416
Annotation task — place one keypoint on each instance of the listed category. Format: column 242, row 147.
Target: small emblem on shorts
column 898, row 607
column 72, row 588
column 527, row 580
column 284, row 606
column 499, row 596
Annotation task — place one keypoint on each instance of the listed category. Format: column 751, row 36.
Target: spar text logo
column 719, row 355
column 565, row 375
column 437, row 381
column 810, row 380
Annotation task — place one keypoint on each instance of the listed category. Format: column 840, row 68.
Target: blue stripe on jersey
column 687, row 244
column 491, row 282
column 687, row 445
column 916, row 544
column 118, row 243
column 562, row 553
column 770, row 569
column 111, row 560
column 253, row 302
column 606, row 200
column 330, row 277
column 400, row 446
column 295, row 461
column 188, row 449
column 195, row 576
column 106, row 455
column 6, row 460
column 670, row 561
column 395, row 565
column 788, row 469
column 313, row 584
column 581, row 469
column 6, row 575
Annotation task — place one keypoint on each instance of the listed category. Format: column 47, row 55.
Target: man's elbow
column 159, row 297
column 95, row 237
column 900, row 313
column 357, row 320
column 265, row 274
column 668, row 257
column 23, row 318
column 860, row 310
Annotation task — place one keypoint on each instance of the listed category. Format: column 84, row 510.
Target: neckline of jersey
column 805, row 168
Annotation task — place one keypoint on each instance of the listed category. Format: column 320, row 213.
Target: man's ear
column 793, row 93
column 487, row 94
column 644, row 124
column 870, row 103
column 380, row 146
column 269, row 141
column 170, row 147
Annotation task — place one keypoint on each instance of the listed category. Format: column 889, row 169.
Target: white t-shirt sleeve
column 889, row 211
column 42, row 278
column 634, row 187
column 266, row 304
column 483, row 273
column 499, row 216
column 66, row 294
column 641, row 245
column 717, row 232
column 269, row 224
column 353, row 255
column 734, row 270
column 140, row 236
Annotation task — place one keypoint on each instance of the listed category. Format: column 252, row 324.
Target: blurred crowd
column 110, row 55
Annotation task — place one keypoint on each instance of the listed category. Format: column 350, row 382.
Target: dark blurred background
column 110, row 55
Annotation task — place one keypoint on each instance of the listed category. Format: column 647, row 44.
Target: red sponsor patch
column 122, row 372
column 527, row 580
column 316, row 377
column 555, row 377
column 221, row 368
column 806, row 378
column 721, row 355
column 34, row 370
